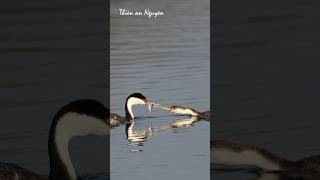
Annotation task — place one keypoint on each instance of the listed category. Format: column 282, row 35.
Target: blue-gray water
column 167, row 60
column 51, row 53
column 265, row 77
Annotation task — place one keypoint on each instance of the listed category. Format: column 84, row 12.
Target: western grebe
column 235, row 154
column 78, row 118
column 186, row 111
column 133, row 99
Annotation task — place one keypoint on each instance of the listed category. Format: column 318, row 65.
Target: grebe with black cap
column 133, row 99
column 78, row 118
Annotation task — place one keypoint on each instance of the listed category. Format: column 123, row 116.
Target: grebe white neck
column 131, row 102
column 71, row 125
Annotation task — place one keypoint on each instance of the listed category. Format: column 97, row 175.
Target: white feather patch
column 72, row 125
column 224, row 156
column 134, row 101
column 184, row 111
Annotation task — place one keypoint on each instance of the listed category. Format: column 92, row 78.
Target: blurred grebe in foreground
column 133, row 99
column 235, row 154
column 187, row 111
column 79, row 118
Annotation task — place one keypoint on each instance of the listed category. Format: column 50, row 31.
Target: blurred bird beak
column 165, row 108
column 151, row 105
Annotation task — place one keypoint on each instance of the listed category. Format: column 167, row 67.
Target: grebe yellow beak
column 167, row 108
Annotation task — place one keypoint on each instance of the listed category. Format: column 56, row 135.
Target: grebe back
column 235, row 154
column 187, row 111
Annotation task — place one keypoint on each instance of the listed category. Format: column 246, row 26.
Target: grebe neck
column 129, row 113
column 131, row 101
column 64, row 128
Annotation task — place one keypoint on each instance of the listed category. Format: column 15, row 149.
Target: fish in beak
column 151, row 105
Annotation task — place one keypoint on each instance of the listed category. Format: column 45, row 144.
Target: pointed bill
column 150, row 106
column 165, row 108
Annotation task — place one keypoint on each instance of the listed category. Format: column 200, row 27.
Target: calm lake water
column 167, row 60
column 45, row 64
column 265, row 77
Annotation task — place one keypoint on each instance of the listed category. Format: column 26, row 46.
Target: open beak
column 151, row 105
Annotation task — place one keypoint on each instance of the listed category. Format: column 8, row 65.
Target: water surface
column 51, row 53
column 265, row 74
column 167, row 60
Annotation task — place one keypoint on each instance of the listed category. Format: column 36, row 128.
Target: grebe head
column 136, row 99
column 180, row 110
column 78, row 118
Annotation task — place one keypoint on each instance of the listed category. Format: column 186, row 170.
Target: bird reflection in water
column 186, row 122
column 137, row 138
